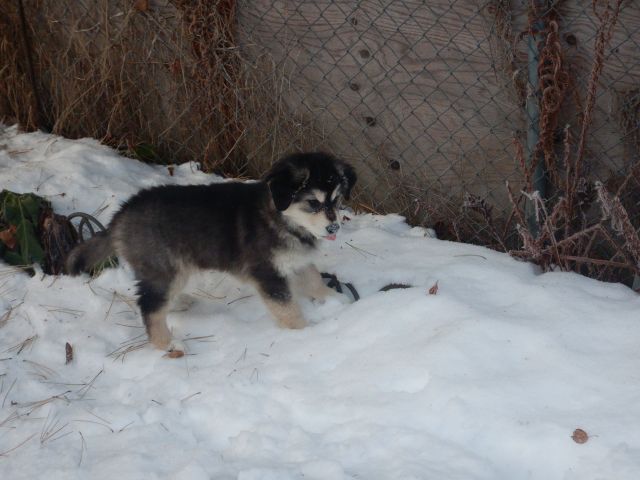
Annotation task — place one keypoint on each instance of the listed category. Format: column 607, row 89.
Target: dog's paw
column 339, row 298
column 318, row 300
column 333, row 298
column 176, row 349
column 176, row 345
column 292, row 322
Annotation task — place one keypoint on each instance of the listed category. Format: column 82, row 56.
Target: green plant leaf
column 29, row 245
column 13, row 258
column 18, row 206
column 23, row 211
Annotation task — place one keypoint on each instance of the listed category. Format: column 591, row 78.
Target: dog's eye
column 315, row 205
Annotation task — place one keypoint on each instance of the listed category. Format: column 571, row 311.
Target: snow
column 486, row 379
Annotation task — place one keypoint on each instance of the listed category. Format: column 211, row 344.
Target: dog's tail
column 89, row 254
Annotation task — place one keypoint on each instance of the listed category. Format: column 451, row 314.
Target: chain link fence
column 431, row 101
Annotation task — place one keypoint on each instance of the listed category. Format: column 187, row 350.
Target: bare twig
column 7, row 452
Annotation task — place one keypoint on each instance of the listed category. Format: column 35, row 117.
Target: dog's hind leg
column 153, row 301
column 180, row 301
column 275, row 293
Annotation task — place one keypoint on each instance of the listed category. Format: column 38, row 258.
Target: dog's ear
column 284, row 182
column 349, row 180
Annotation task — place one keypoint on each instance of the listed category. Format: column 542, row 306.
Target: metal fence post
column 533, row 112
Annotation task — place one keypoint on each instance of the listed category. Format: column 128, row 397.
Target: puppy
column 264, row 232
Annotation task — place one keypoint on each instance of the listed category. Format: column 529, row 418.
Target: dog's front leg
column 276, row 294
column 310, row 284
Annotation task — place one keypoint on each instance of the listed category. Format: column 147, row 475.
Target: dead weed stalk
column 572, row 236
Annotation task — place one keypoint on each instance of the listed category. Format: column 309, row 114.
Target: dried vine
column 553, row 78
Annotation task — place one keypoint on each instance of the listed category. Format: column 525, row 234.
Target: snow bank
column 487, row 379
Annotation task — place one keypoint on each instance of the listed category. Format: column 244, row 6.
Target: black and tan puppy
column 263, row 232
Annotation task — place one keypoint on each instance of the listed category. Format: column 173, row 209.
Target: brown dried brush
column 613, row 210
column 568, row 237
column 480, row 205
column 211, row 26
column 608, row 19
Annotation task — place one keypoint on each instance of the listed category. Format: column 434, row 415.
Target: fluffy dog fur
column 263, row 232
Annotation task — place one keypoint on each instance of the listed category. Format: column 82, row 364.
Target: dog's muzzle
column 331, row 230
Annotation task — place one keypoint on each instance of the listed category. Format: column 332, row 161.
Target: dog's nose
column 333, row 228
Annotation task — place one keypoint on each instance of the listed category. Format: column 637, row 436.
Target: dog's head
column 308, row 189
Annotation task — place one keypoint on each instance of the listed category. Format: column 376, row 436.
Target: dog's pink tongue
column 331, row 237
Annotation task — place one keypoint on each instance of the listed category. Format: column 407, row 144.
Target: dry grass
column 17, row 100
column 52, row 429
column 165, row 85
column 136, row 343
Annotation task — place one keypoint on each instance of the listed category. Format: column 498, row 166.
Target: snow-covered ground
column 486, row 379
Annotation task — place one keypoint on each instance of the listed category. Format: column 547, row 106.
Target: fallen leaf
column 8, row 237
column 580, row 436
column 69, row 353
column 433, row 290
column 174, row 354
